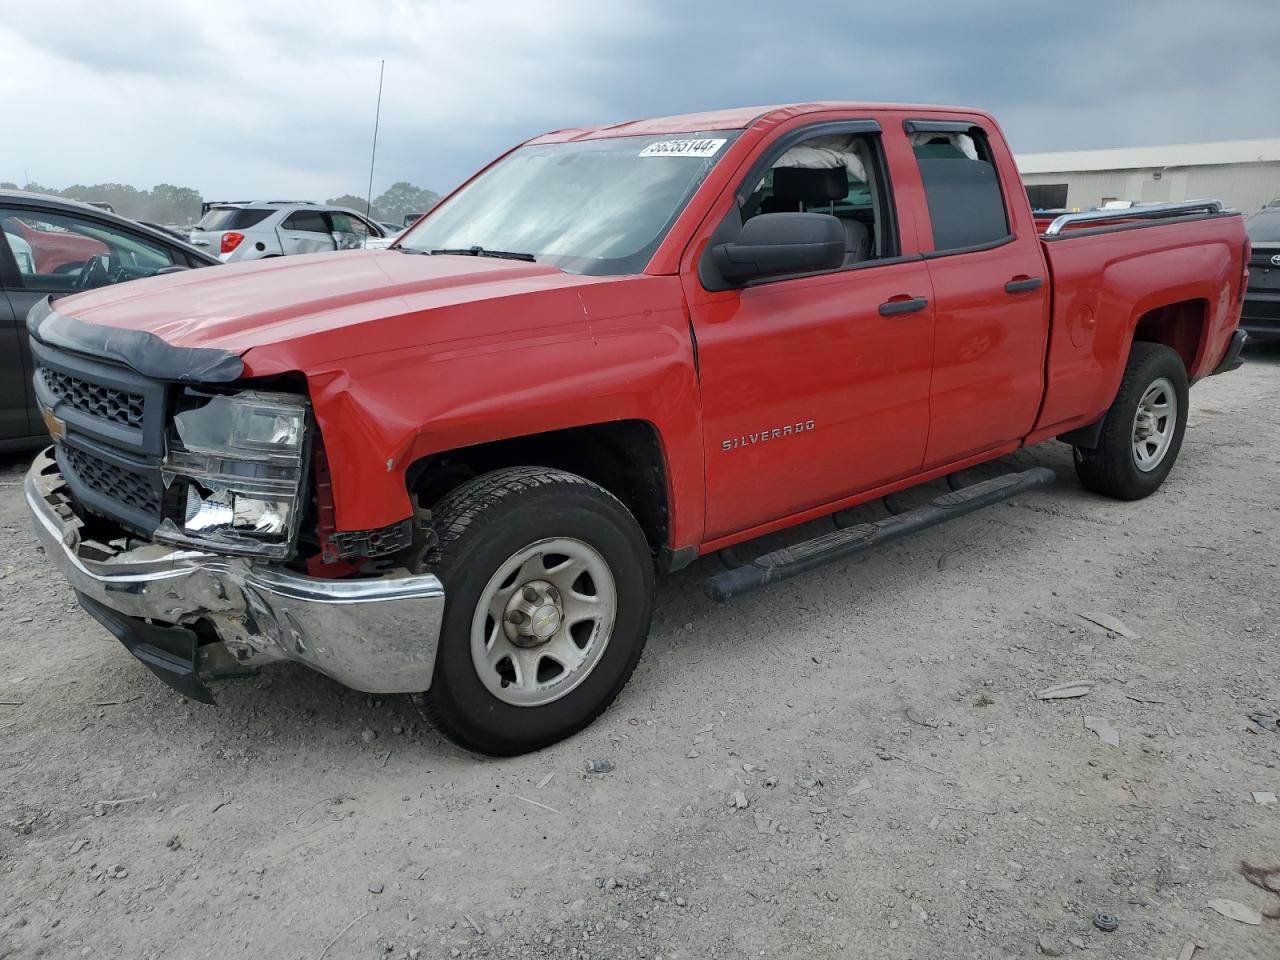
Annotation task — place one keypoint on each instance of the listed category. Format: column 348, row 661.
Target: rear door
column 306, row 231
column 990, row 288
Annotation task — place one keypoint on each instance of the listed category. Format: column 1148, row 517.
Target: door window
column 836, row 169
column 350, row 232
column 841, row 174
column 346, row 223
column 962, row 189
column 306, row 221
column 57, row 252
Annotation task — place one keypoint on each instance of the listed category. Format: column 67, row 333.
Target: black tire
column 1112, row 468
column 481, row 525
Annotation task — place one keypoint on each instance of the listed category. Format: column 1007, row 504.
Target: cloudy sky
column 242, row 98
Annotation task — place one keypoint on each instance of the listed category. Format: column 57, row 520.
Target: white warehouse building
column 1243, row 174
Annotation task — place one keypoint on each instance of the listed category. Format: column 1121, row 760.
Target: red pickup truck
column 453, row 466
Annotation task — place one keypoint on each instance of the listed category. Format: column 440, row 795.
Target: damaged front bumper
column 190, row 615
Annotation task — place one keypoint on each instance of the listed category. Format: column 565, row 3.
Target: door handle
column 891, row 308
column 1019, row 284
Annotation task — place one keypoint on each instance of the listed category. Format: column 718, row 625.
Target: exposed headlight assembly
column 240, row 457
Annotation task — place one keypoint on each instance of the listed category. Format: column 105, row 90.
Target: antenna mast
column 373, row 154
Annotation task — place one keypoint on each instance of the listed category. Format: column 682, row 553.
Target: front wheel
column 548, row 597
column 1142, row 432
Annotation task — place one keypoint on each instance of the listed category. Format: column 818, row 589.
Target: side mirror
column 772, row 244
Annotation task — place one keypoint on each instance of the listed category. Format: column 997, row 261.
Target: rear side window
column 961, row 188
column 307, row 221
column 231, row 218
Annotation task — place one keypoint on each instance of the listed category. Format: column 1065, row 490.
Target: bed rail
column 1155, row 211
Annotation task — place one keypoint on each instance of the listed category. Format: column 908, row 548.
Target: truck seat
column 793, row 186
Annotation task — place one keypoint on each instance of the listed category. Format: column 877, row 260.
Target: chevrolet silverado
column 453, row 467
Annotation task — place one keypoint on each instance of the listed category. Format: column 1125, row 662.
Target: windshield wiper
column 482, row 252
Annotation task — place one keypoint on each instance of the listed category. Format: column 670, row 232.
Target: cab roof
column 734, row 118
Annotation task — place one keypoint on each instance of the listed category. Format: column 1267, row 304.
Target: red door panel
column 809, row 394
column 989, row 343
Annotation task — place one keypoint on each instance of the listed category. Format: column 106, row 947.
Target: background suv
column 274, row 228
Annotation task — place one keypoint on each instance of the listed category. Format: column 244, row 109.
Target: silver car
column 236, row 231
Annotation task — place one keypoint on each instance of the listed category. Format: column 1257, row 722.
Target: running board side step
column 802, row 557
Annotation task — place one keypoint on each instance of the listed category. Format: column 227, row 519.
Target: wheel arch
column 1181, row 325
column 625, row 457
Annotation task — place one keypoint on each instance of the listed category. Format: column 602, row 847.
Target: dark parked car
column 53, row 246
column 1261, row 314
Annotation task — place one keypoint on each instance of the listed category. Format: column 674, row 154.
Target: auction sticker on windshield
column 683, row 148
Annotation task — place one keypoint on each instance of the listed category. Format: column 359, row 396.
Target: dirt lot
column 906, row 795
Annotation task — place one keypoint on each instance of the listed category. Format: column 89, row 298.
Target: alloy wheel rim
column 543, row 621
column 1154, row 423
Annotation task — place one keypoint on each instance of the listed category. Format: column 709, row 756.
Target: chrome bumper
column 374, row 635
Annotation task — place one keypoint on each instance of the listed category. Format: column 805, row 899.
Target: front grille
column 109, row 480
column 112, row 436
column 94, row 399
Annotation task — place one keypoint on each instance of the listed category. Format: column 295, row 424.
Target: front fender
column 619, row 350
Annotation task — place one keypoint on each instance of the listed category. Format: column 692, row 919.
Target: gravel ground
column 852, row 764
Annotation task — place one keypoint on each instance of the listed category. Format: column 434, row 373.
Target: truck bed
column 1177, row 268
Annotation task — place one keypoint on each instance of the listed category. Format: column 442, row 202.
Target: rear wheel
column 548, row 596
column 1142, row 432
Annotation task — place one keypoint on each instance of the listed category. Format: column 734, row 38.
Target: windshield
column 597, row 207
column 1264, row 226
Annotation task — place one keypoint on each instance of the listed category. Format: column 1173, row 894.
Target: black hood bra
column 146, row 353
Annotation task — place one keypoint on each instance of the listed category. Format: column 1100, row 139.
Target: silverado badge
column 771, row 433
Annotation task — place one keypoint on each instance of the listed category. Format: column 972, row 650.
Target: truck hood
column 239, row 307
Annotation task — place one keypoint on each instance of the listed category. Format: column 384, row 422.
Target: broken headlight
column 235, row 464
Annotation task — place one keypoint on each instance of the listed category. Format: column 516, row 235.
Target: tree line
column 166, row 203
column 397, row 202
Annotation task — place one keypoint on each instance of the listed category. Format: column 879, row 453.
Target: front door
column 809, row 394
column 306, row 231
column 349, row 231
column 815, row 387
